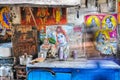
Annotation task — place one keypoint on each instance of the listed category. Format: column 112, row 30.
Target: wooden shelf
column 20, row 71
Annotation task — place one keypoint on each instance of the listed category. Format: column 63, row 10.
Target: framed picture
column 70, row 35
column 8, row 16
column 43, row 16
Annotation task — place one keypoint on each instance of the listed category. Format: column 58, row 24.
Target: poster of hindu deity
column 103, row 21
column 66, row 38
column 104, row 38
column 42, row 16
column 92, row 22
column 7, row 17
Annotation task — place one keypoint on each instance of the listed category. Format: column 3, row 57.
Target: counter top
column 81, row 64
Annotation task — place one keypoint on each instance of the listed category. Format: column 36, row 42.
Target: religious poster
column 7, row 17
column 66, row 38
column 101, row 31
column 43, row 16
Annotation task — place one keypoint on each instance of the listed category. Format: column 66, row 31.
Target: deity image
column 104, row 29
column 57, row 14
column 109, row 23
column 104, row 43
column 101, row 38
column 28, row 15
column 6, row 20
column 63, row 46
column 67, row 39
column 43, row 14
column 93, row 23
column 5, row 17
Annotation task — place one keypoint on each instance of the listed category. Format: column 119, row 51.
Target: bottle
column 60, row 53
column 75, row 54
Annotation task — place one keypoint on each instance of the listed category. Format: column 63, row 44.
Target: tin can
column 61, row 53
column 75, row 54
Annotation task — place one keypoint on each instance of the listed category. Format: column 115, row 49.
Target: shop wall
column 40, row 17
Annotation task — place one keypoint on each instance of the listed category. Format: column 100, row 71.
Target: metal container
column 28, row 59
column 21, row 59
column 60, row 53
column 75, row 54
column 25, row 59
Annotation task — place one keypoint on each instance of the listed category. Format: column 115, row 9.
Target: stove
column 6, row 68
column 9, row 61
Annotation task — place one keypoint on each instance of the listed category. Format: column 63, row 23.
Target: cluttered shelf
column 20, row 71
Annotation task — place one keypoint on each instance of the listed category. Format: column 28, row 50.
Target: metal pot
column 25, row 59
column 21, row 59
column 29, row 58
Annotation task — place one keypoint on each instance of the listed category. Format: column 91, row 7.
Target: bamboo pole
column 32, row 16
